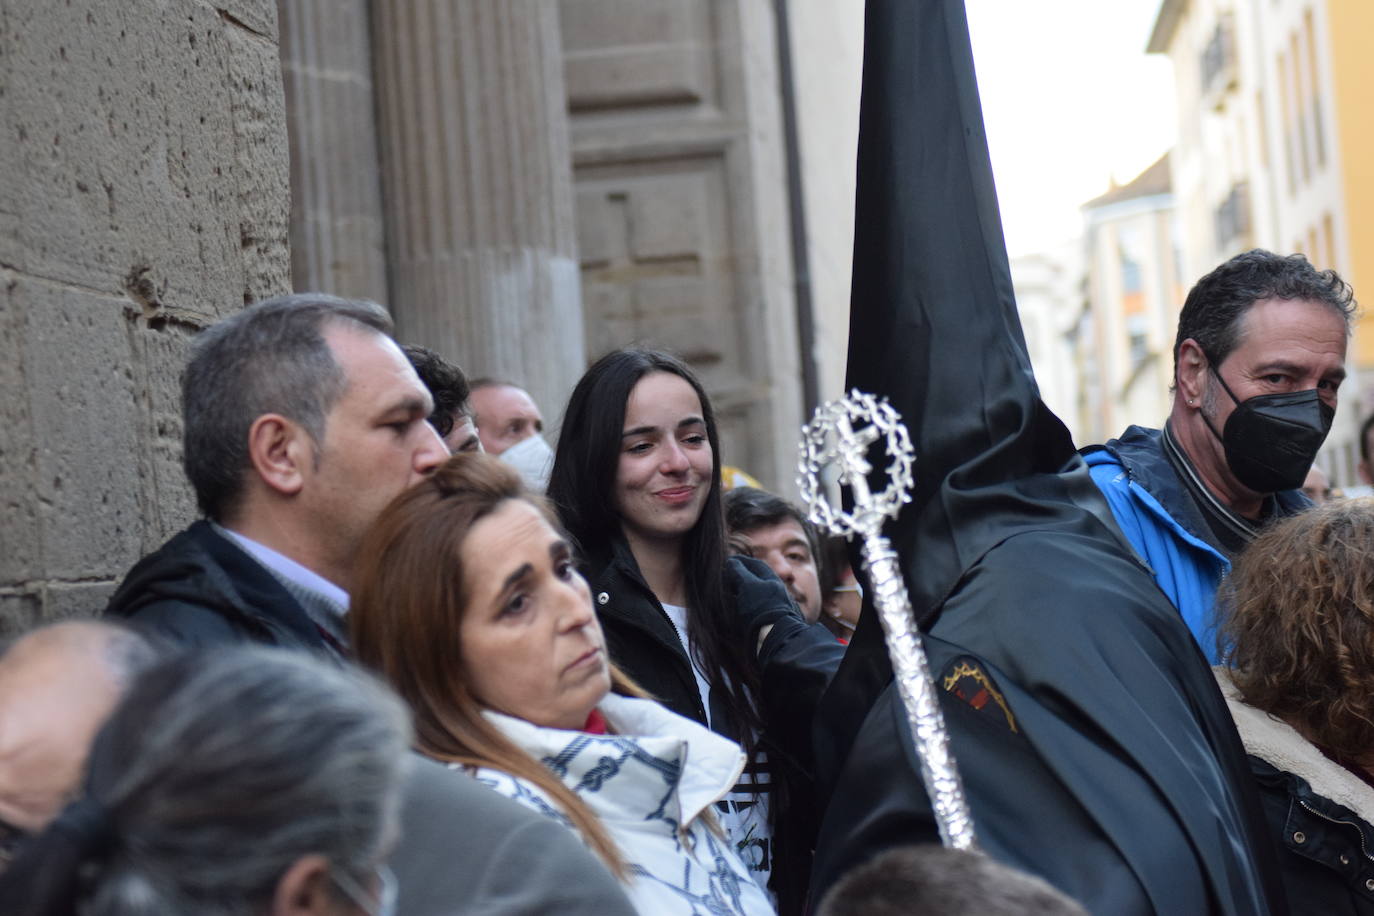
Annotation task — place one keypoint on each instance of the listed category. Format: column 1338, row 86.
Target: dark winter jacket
column 640, row 638
column 201, row 589
column 796, row 660
column 1319, row 815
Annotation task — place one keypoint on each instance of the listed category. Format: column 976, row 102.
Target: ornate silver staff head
column 840, row 434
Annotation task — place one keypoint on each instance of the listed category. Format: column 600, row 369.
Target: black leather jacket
column 796, row 660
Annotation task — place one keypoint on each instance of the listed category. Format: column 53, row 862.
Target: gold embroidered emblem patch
column 966, row 678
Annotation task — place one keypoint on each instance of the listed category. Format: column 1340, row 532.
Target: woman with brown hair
column 1298, row 632
column 469, row 604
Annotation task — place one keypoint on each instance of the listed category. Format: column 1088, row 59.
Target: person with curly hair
column 1298, row 633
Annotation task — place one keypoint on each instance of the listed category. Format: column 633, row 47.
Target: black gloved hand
column 758, row 597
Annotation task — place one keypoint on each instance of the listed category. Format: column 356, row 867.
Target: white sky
column 1070, row 100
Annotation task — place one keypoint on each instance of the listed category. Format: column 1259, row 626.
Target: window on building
column 1314, row 89
column 1231, row 218
column 1217, row 65
column 1138, row 338
column 1290, row 155
column 1329, row 239
column 1300, row 96
column 1131, row 282
column 1132, row 257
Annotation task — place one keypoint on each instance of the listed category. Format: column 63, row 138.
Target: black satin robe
column 1095, row 747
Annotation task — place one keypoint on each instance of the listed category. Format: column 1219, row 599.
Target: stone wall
column 338, row 232
column 143, row 194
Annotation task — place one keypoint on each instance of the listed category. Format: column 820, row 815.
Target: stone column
column 337, row 227
column 478, row 188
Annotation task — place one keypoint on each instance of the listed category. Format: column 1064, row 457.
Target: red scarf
column 596, row 723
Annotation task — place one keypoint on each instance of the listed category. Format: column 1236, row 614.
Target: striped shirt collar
column 1230, row 530
column 323, row 601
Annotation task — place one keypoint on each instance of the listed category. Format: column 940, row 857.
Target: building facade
column 143, row 195
column 526, row 183
column 530, row 184
column 1135, row 291
column 1051, row 296
column 1272, row 150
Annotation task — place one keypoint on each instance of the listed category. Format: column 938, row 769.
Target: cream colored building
column 1050, row 298
column 1273, row 139
column 1134, row 294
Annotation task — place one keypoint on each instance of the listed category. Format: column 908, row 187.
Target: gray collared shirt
column 323, row 602
column 1230, row 532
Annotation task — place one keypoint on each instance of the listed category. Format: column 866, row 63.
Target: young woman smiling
column 636, row 482
column 470, row 605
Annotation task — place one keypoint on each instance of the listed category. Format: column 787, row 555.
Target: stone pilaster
column 337, row 226
column 478, row 187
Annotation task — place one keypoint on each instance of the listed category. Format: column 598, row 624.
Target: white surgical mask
column 533, row 458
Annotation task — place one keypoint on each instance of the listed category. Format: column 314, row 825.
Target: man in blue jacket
column 1258, row 359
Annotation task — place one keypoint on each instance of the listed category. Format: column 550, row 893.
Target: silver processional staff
column 840, row 434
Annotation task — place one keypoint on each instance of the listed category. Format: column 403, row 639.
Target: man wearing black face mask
column 1258, row 359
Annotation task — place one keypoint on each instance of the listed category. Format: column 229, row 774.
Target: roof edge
column 1166, row 22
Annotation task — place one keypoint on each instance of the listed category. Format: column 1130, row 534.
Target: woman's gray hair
column 222, row 768
column 269, row 358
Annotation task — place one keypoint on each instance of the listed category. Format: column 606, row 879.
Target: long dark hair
column 582, row 489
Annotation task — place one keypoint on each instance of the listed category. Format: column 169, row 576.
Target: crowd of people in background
column 416, row 659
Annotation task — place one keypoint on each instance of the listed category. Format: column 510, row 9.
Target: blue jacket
column 1165, row 525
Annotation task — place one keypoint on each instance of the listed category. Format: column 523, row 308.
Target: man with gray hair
column 937, row 881
column 463, row 848
column 57, row 685
column 303, row 418
column 512, row 428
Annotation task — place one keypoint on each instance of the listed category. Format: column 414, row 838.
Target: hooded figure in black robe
column 1095, row 748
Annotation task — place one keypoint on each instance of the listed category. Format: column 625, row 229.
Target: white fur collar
column 1278, row 743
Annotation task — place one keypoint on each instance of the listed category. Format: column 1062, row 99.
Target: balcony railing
column 1218, row 65
column 1231, row 219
